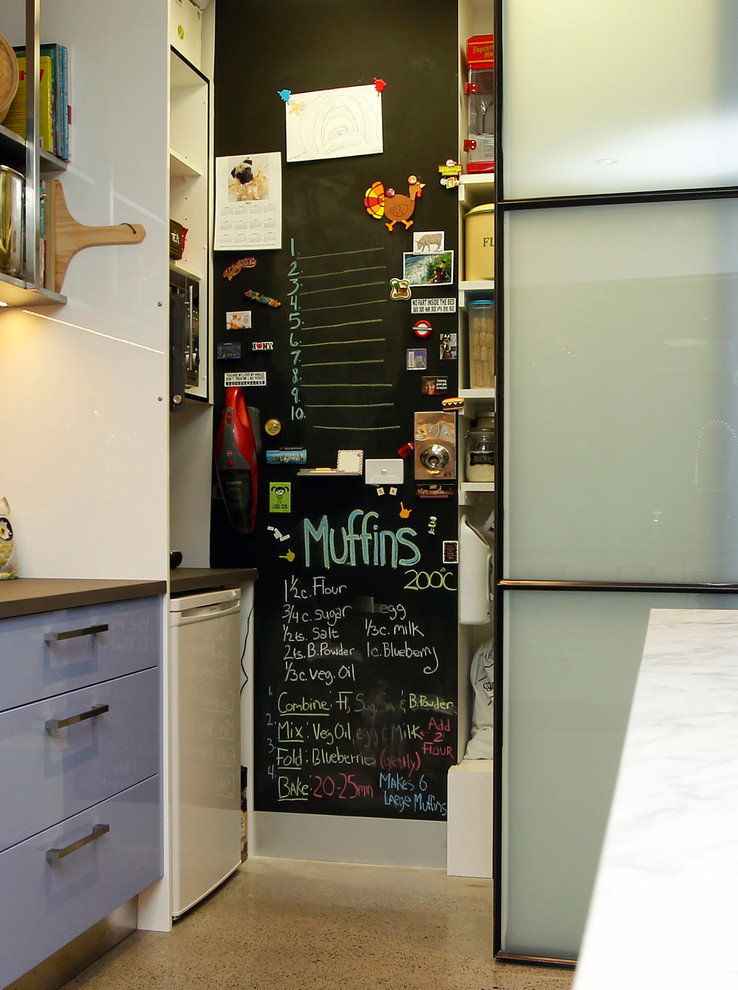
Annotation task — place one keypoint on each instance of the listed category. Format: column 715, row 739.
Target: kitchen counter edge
column 30, row 596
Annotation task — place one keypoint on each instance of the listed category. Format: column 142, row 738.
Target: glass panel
column 619, row 95
column 621, row 382
column 571, row 661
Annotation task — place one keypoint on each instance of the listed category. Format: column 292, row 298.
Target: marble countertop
column 663, row 911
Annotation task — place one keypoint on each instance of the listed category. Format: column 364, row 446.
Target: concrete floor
column 295, row 925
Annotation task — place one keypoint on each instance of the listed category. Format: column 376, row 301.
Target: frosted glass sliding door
column 621, row 393
column 572, row 663
column 619, row 95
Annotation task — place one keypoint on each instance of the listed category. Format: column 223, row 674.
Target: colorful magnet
column 390, row 206
column 237, row 266
column 448, row 347
column 260, row 298
column 432, row 523
column 404, row 513
column 452, row 402
column 422, row 328
column 272, row 427
column 239, row 319
column 379, row 84
column 280, row 496
column 449, row 172
column 262, row 345
column 284, row 94
column 416, row 359
column 435, row 384
column 406, row 448
column 399, row 288
column 229, row 351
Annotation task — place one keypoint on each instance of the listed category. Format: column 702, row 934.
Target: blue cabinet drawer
column 67, row 753
column 52, row 891
column 47, row 654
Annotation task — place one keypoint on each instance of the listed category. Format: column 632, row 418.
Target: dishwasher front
column 205, row 750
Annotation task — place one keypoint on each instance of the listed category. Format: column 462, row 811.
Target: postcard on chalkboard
column 428, row 269
column 248, row 202
column 334, row 123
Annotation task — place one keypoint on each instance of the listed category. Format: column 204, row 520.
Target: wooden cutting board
column 70, row 236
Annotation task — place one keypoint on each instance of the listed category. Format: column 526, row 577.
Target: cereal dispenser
column 480, row 89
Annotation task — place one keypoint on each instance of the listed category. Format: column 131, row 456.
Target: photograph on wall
column 248, row 202
column 334, row 123
column 428, row 269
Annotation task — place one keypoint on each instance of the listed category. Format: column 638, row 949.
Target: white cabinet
column 469, row 837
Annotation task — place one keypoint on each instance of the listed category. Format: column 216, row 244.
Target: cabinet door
column 67, row 753
column 58, row 895
column 55, row 652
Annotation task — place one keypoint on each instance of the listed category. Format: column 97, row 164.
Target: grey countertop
column 185, row 579
column 30, row 596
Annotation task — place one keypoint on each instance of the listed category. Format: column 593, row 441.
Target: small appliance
column 237, row 446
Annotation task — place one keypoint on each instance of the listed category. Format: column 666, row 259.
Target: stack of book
column 54, row 108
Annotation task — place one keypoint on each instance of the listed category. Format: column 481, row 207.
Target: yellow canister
column 479, row 243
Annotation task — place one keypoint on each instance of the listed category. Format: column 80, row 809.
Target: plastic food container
column 479, row 243
column 11, row 221
column 480, row 450
column 481, row 320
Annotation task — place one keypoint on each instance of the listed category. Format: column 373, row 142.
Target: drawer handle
column 55, row 637
column 54, row 855
column 62, row 723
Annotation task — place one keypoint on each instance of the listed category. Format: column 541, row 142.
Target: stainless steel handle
column 55, row 637
column 62, row 723
column 191, row 328
column 54, row 855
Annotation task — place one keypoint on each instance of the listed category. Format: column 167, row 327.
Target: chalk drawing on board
column 338, row 339
column 334, row 123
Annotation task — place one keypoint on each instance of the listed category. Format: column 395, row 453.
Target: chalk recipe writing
column 357, row 717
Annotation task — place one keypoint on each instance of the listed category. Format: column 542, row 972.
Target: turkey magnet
column 391, row 206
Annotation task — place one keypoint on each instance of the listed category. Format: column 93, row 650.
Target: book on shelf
column 54, row 110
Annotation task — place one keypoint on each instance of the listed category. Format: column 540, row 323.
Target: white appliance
column 204, row 743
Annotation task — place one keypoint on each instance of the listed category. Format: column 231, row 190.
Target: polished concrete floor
column 294, row 925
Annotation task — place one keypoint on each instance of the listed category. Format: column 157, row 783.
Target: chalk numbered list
column 360, row 718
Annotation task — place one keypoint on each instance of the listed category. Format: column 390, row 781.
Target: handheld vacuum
column 237, row 446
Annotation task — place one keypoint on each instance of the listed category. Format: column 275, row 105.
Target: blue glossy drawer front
column 48, row 654
column 46, row 904
column 48, row 774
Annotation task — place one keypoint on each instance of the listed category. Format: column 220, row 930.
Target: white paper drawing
column 248, row 202
column 334, row 123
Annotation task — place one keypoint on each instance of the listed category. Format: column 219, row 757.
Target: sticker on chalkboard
column 228, row 351
column 239, row 319
column 450, row 551
column 280, row 496
column 287, row 455
column 253, row 378
column 448, row 351
column 434, row 304
column 416, row 359
column 262, row 345
column 434, row 384
column 427, row 241
column 428, row 269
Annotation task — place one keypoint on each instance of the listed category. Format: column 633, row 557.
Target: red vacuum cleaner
column 237, row 446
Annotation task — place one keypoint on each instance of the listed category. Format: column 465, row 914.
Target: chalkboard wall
column 355, row 616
